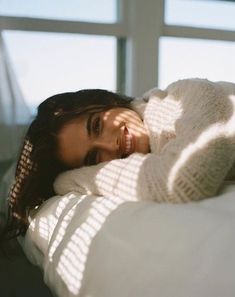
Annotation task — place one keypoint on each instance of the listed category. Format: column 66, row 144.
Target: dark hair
column 38, row 164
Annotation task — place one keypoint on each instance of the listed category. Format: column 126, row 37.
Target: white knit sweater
column 192, row 140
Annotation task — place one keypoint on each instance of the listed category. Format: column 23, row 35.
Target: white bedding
column 106, row 247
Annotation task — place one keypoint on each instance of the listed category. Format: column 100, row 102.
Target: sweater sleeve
column 190, row 167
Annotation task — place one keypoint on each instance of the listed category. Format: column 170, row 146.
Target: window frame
column 149, row 60
column 118, row 30
column 138, row 43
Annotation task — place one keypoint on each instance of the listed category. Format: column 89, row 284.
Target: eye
column 96, row 126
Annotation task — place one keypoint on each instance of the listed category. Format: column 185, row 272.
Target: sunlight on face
column 107, row 135
column 126, row 117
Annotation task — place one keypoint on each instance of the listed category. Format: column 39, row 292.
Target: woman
column 38, row 162
column 175, row 145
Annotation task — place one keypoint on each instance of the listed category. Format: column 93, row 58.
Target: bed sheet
column 102, row 247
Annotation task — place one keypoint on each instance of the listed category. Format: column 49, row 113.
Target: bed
column 87, row 246
column 99, row 246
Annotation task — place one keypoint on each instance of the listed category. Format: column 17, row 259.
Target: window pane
column 50, row 63
column 83, row 10
column 201, row 13
column 186, row 58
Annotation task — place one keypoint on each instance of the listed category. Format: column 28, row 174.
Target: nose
column 108, row 148
column 107, row 144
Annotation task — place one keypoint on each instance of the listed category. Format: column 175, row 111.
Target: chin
column 143, row 148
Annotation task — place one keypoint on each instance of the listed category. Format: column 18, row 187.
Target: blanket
column 110, row 247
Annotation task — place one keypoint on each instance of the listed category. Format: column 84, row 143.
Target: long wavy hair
column 38, row 164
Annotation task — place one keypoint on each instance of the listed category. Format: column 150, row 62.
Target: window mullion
column 61, row 26
column 145, row 26
column 199, row 33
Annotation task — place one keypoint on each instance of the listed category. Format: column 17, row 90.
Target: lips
column 127, row 144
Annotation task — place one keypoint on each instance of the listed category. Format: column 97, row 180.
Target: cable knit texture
column 192, row 139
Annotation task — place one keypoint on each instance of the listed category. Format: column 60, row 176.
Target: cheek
column 141, row 139
column 131, row 119
column 118, row 116
column 118, row 121
column 137, row 127
column 113, row 118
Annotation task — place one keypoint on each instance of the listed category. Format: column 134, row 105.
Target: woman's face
column 102, row 136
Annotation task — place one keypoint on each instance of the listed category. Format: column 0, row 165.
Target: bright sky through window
column 187, row 58
column 49, row 63
column 217, row 14
column 83, row 10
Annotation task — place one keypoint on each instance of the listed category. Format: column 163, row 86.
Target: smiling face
column 103, row 136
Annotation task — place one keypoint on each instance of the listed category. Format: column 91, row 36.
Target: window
column 185, row 58
column 71, row 47
column 50, row 63
column 139, row 40
column 104, row 11
column 197, row 40
column 200, row 13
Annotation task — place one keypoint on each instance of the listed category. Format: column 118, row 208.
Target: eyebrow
column 89, row 132
column 88, row 124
